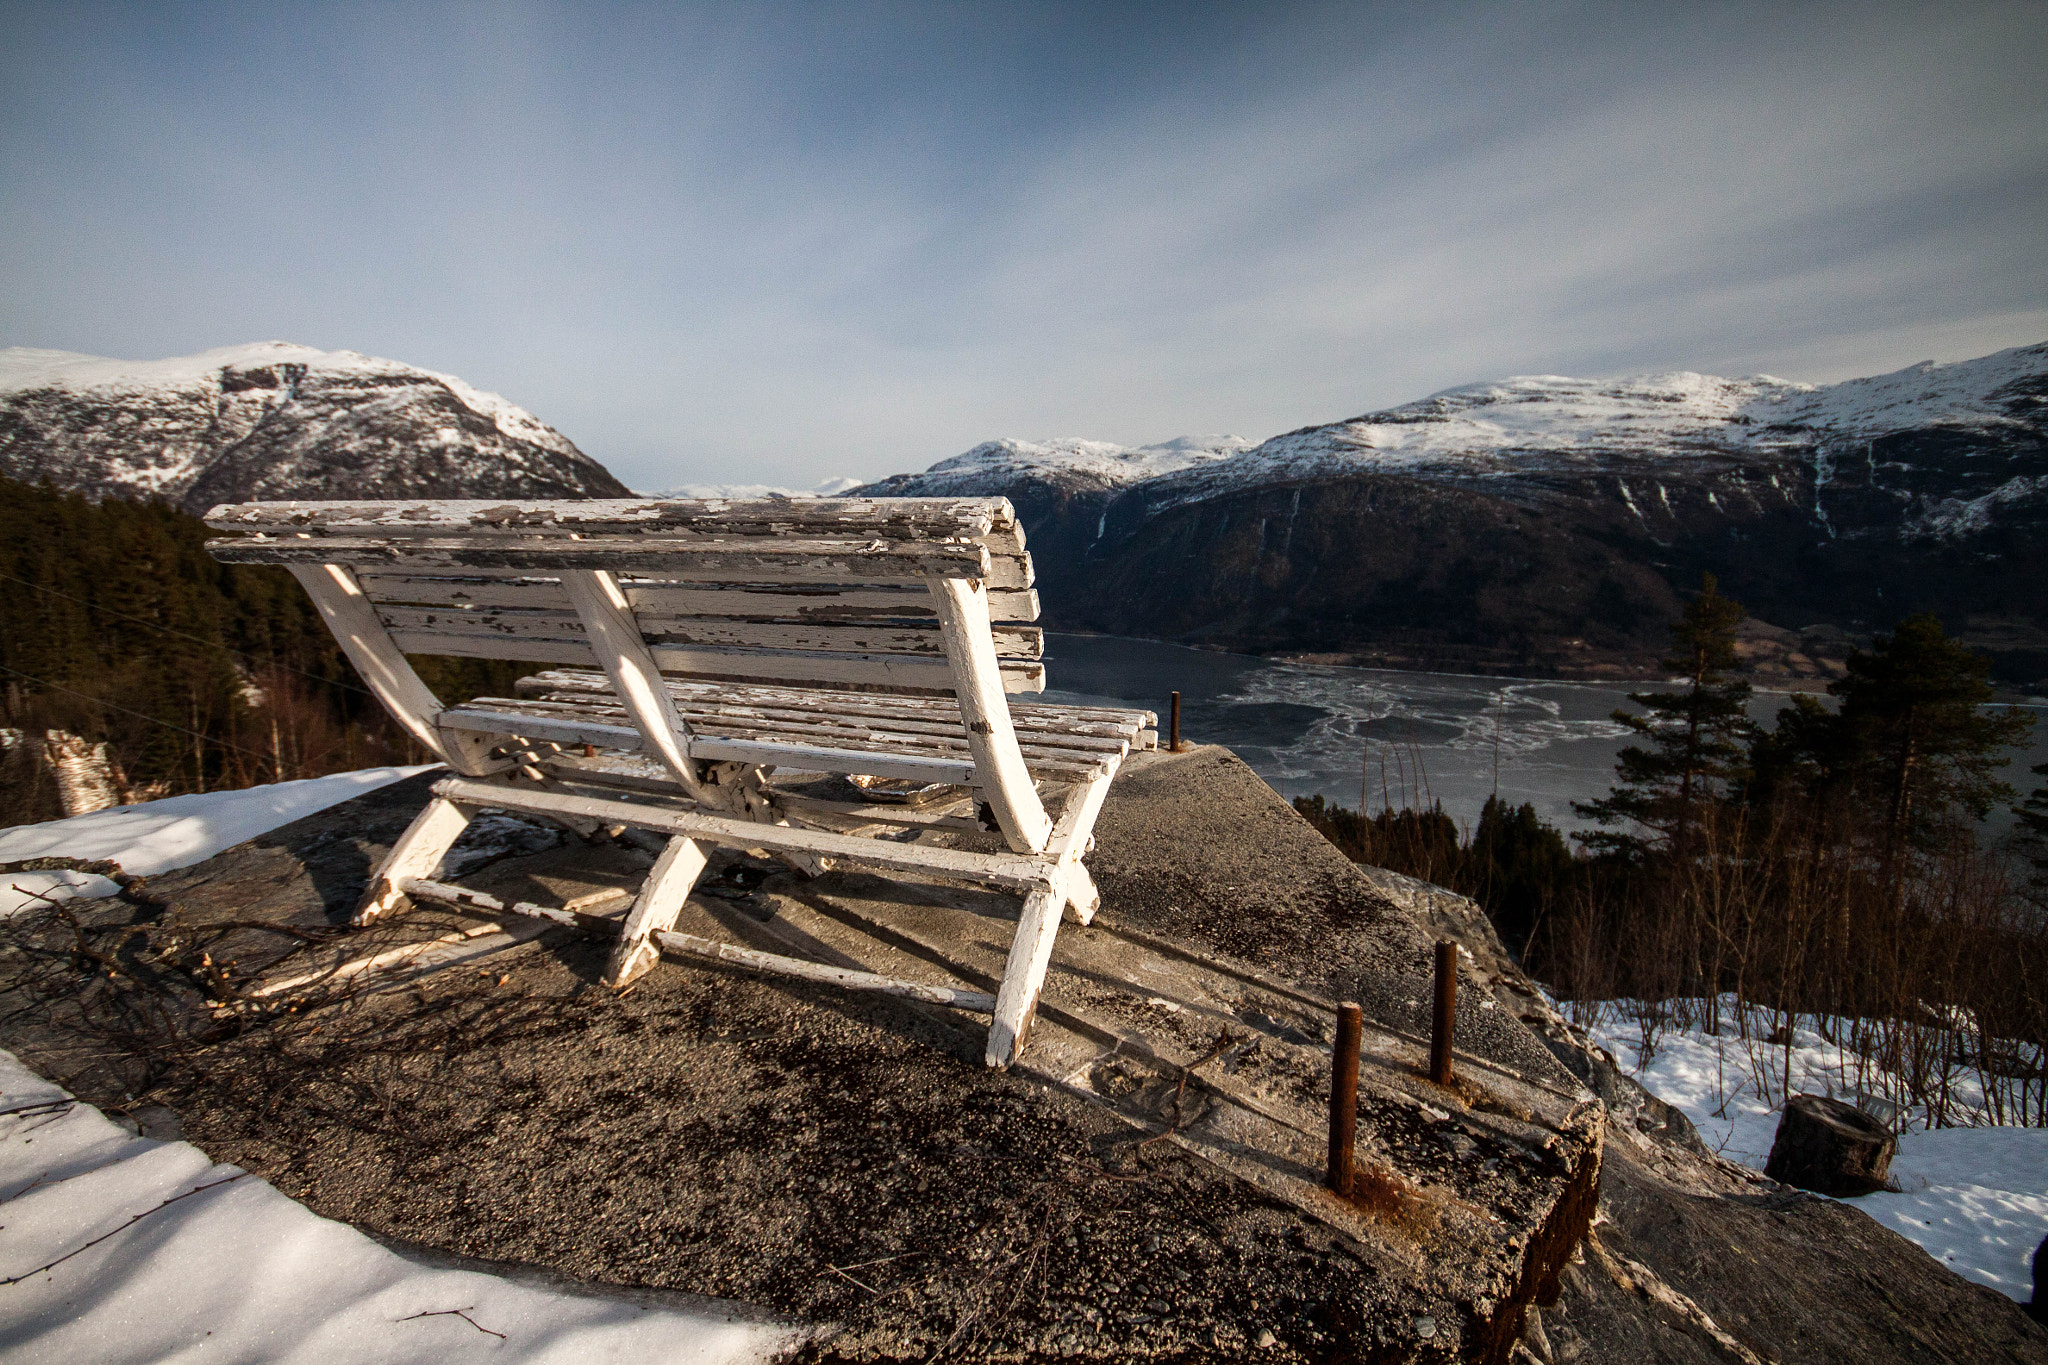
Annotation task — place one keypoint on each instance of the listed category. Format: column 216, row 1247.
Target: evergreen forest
column 118, row 629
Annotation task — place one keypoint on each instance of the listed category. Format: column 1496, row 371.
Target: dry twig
column 462, row 1313
column 52, row 1265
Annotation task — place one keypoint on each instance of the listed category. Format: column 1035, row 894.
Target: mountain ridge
column 1550, row 524
column 274, row 419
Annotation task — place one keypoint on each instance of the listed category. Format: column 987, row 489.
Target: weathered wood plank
column 575, row 653
column 807, row 750
column 689, row 945
column 904, row 672
column 661, row 899
column 903, row 817
column 1008, row 871
column 380, row 662
column 1023, row 978
column 416, row 854
column 920, row 765
column 692, row 946
column 771, row 561
column 853, row 703
column 985, row 714
column 874, row 670
column 635, row 678
column 924, row 518
column 1093, row 739
column 1069, row 843
column 895, row 637
column 797, row 756
column 824, row 603
column 566, row 729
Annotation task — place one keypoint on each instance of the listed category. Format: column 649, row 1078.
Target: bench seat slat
column 510, row 715
column 834, row 749
column 585, row 680
column 573, row 685
column 1080, row 734
column 904, row 637
column 747, row 602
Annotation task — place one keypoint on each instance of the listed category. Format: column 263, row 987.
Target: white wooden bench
column 698, row 649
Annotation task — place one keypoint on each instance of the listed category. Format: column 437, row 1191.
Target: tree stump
column 1830, row 1148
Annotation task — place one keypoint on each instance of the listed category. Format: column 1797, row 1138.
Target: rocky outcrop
column 274, row 420
column 1694, row 1258
column 1546, row 524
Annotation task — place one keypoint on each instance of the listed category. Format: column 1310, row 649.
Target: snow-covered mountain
column 824, row 488
column 1098, row 465
column 1549, row 522
column 274, row 420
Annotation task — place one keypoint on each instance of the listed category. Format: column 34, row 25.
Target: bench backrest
column 832, row 592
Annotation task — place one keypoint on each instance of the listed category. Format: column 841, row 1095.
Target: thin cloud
column 783, row 244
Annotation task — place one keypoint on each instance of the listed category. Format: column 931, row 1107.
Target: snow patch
column 1097, row 464
column 1952, row 518
column 1973, row 1197
column 153, row 1252
column 174, row 832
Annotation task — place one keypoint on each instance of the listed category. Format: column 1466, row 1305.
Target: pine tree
column 1515, row 866
column 1917, row 737
column 1697, row 738
column 2033, row 817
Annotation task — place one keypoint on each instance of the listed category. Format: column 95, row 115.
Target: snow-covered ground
column 119, row 1248
column 174, row 832
column 1974, row 1198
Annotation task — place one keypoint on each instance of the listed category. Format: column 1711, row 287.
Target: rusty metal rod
column 1174, row 747
column 1446, row 1012
column 1344, row 1097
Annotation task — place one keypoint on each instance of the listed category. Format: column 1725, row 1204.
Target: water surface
column 1388, row 737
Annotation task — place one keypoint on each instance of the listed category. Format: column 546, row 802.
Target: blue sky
column 782, row 243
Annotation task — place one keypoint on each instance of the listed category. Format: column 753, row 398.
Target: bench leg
column 1024, row 976
column 416, row 854
column 1083, row 900
column 661, row 900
